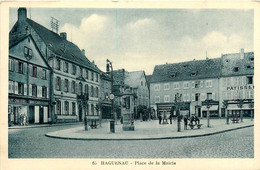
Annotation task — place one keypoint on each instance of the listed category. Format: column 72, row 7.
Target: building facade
column 29, row 82
column 237, row 83
column 106, row 103
column 195, row 81
column 74, row 76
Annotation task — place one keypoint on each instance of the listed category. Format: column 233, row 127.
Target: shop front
column 213, row 111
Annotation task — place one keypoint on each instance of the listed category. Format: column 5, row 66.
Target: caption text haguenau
column 137, row 163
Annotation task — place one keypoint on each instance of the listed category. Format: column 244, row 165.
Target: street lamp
column 178, row 103
column 208, row 104
column 225, row 105
column 111, row 96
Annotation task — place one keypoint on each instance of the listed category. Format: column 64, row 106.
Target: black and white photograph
column 131, row 86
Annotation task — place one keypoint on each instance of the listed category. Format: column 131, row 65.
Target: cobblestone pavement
column 31, row 143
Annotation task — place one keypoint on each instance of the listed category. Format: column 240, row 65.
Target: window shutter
column 69, row 86
column 30, row 90
column 47, row 92
column 203, row 96
column 76, row 87
column 24, row 68
column 15, row 87
column 213, row 96
column 40, row 91
column 244, row 80
column 31, row 70
column 201, row 84
column 193, row 97
column 61, row 85
column 193, row 84
column 25, row 89
column 16, row 66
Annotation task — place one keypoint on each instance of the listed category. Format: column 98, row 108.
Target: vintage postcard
column 129, row 85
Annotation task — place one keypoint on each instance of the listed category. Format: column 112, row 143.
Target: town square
column 131, row 83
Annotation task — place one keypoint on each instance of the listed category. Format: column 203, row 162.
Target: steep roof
column 245, row 64
column 61, row 46
column 148, row 79
column 191, row 70
column 133, row 78
column 14, row 39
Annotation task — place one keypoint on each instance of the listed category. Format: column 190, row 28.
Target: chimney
column 83, row 51
column 242, row 53
column 22, row 14
column 63, row 35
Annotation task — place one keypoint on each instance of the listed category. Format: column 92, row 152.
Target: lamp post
column 225, row 105
column 240, row 103
column 208, row 103
column 251, row 106
column 178, row 103
column 112, row 123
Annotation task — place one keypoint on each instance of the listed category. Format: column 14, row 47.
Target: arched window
column 92, row 91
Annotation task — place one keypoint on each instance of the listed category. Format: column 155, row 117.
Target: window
column 97, row 92
column 92, row 76
column 252, row 59
column 58, row 83
column 20, row 88
column 73, row 108
column 80, row 88
column 58, row 64
column 92, row 91
column 193, row 73
column 86, row 74
column 186, row 85
column 201, row 84
column 11, row 65
column 193, row 84
column 44, row 92
column 80, row 71
column 86, row 89
column 34, row 90
column 66, row 67
column 11, row 86
column 74, row 70
column 27, row 51
column 73, row 86
column 250, row 80
column 157, row 99
column 173, row 75
column 141, row 83
column 34, row 71
column 92, row 109
column 166, row 98
column 20, row 67
column 66, row 107
column 157, row 87
column 209, row 96
column 58, row 108
column 197, row 95
column 66, row 85
column 44, row 74
column 197, row 84
column 208, row 83
column 97, row 77
column 235, row 69
column 166, row 86
column 176, row 86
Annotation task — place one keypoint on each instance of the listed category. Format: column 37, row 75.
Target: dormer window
column 235, row 69
column 252, row 59
column 173, row 75
column 185, row 66
column 227, row 60
column 193, row 73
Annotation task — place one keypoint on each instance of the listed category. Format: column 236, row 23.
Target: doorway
column 31, row 114
column 41, row 115
column 80, row 113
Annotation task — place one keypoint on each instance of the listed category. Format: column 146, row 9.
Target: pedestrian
column 24, row 120
column 160, row 118
column 197, row 120
column 185, row 122
column 170, row 118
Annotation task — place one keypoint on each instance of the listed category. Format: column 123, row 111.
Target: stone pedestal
column 128, row 122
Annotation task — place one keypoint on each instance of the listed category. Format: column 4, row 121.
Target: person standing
column 185, row 122
column 160, row 118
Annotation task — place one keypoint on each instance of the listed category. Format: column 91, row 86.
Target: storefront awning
column 212, row 108
column 235, row 107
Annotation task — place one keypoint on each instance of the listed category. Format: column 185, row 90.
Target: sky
column 139, row 39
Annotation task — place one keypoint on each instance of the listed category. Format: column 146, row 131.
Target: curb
column 47, row 125
column 160, row 138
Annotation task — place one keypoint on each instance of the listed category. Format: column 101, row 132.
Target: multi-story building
column 137, row 82
column 73, row 74
column 29, row 81
column 195, row 81
column 237, row 82
column 106, row 103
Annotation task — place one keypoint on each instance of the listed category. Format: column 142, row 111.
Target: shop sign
column 17, row 101
column 38, row 102
column 248, row 87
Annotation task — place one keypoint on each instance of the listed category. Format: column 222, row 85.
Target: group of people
column 192, row 119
